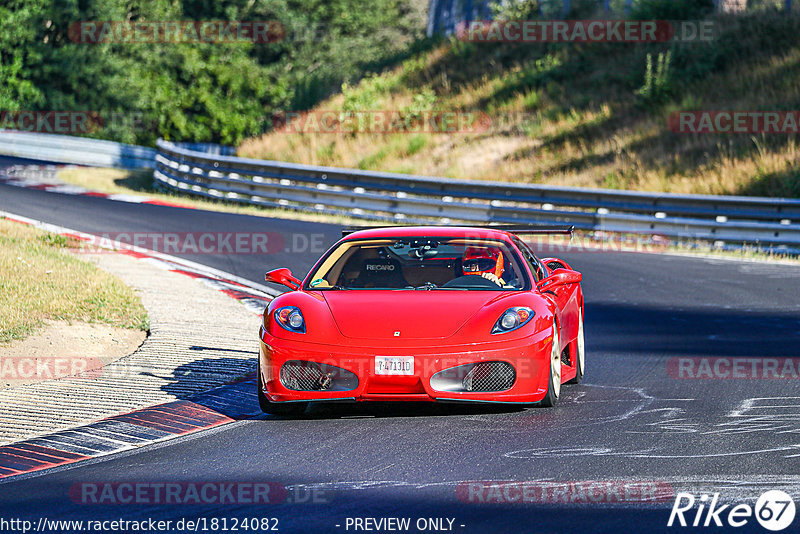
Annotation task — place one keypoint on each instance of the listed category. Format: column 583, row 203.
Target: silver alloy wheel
column 555, row 364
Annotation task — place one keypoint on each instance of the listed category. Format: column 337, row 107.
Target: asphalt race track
column 632, row 419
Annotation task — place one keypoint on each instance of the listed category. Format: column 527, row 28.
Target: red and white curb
column 206, row 410
column 213, row 408
column 45, row 178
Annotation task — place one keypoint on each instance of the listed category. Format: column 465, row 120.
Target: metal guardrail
column 210, row 171
column 77, row 150
column 405, row 198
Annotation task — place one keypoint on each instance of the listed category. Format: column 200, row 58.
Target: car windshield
column 408, row 263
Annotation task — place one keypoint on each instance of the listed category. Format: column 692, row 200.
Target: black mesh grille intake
column 311, row 376
column 490, row 376
column 475, row 377
column 302, row 376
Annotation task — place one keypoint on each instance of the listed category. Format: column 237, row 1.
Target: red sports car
column 424, row 313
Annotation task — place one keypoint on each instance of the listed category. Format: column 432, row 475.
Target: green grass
column 41, row 280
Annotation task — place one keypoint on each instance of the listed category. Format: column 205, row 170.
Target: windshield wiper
column 428, row 286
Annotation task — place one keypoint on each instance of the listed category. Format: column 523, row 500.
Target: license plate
column 394, row 365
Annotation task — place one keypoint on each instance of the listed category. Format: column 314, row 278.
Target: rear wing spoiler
column 520, row 229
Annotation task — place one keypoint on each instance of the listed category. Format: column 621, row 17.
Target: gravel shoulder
column 65, row 348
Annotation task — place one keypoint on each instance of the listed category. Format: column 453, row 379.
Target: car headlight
column 290, row 318
column 512, row 319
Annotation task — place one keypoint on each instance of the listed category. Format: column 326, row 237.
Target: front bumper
column 528, row 356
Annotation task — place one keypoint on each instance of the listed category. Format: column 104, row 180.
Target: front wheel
column 580, row 351
column 554, row 382
column 277, row 408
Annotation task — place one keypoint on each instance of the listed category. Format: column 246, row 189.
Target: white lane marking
column 776, row 420
column 673, row 426
column 528, row 454
column 132, row 199
column 776, row 415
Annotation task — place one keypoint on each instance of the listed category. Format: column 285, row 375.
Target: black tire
column 580, row 352
column 278, row 408
column 554, row 381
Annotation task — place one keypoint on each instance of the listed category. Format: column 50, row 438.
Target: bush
column 220, row 92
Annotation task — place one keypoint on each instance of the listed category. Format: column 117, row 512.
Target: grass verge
column 41, row 280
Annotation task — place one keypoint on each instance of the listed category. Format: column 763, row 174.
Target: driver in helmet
column 486, row 261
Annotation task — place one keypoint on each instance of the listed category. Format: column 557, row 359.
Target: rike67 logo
column 774, row 510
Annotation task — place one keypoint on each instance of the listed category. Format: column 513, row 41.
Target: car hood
column 404, row 314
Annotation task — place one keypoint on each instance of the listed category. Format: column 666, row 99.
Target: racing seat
column 380, row 272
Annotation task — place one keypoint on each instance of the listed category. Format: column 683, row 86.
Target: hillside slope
column 579, row 114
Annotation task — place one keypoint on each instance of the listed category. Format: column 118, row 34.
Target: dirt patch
column 62, row 349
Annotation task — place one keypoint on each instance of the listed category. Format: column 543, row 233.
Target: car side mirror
column 284, row 277
column 560, row 277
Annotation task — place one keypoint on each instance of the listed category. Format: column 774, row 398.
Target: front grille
column 490, row 376
column 302, row 376
column 475, row 377
column 311, row 376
